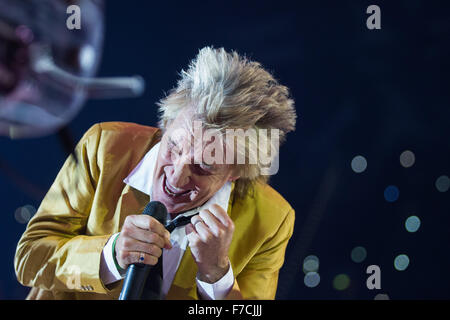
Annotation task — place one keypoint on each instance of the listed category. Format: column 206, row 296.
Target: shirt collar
column 141, row 178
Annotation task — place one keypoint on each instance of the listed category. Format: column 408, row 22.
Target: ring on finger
column 197, row 221
column 141, row 257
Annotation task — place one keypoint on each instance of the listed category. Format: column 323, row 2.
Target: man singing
column 232, row 227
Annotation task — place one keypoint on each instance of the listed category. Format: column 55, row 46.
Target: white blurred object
column 46, row 70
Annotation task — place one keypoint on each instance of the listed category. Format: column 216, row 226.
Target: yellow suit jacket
column 59, row 253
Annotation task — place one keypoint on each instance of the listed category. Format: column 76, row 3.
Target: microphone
column 144, row 282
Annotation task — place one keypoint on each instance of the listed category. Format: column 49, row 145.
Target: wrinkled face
column 180, row 182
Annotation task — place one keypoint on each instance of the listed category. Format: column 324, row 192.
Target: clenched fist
column 141, row 241
column 210, row 234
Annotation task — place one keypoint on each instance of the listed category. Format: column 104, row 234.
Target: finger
column 192, row 236
column 147, row 222
column 196, row 219
column 139, row 246
column 211, row 222
column 143, row 235
column 189, row 229
column 220, row 214
column 203, row 231
column 141, row 257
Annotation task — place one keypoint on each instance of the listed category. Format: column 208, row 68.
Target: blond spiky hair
column 228, row 91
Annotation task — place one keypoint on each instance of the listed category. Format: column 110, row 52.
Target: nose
column 180, row 173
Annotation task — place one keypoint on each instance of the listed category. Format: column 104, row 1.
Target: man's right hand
column 141, row 235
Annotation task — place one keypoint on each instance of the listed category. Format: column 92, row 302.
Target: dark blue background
column 358, row 92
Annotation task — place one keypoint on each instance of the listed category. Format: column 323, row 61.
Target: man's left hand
column 210, row 234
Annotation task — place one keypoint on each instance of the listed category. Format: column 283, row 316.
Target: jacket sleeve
column 259, row 278
column 54, row 253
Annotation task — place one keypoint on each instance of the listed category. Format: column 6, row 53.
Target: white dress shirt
column 141, row 179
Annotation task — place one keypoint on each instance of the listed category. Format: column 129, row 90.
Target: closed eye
column 172, row 147
column 201, row 170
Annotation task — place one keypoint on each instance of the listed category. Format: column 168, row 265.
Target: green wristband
column 114, row 255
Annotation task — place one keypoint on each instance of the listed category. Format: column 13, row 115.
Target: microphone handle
column 134, row 281
column 153, row 286
column 144, row 282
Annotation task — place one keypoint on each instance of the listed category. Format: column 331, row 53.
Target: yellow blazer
column 59, row 253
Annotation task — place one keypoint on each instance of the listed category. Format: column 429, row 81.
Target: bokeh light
column 311, row 264
column 391, row 194
column 442, row 183
column 312, row 279
column 359, row 254
column 412, row 224
column 359, row 164
column 401, row 262
column 407, row 159
column 24, row 214
column 341, row 282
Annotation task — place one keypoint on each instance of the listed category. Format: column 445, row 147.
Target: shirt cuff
column 217, row 290
column 108, row 270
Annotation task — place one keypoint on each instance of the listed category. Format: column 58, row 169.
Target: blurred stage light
column 312, row 279
column 47, row 70
column 391, row 193
column 442, row 183
column 401, row 262
column 87, row 57
column 311, row 264
column 412, row 224
column 407, row 159
column 358, row 254
column 24, row 214
column 341, row 282
column 359, row 164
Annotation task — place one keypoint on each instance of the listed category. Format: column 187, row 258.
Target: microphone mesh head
column 157, row 210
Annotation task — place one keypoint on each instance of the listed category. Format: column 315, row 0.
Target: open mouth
column 172, row 191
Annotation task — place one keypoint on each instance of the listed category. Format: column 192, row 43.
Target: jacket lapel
column 132, row 201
